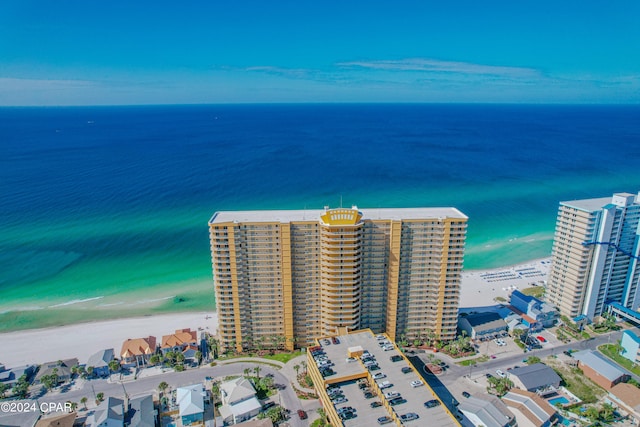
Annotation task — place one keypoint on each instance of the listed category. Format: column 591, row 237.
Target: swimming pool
column 561, row 400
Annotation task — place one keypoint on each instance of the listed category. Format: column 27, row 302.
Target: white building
column 595, row 255
column 239, row 401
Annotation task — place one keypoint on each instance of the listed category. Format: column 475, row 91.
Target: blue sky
column 125, row 52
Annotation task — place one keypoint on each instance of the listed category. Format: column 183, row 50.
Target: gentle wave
column 75, row 301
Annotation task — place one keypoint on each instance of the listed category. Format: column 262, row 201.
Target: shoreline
column 81, row 340
column 479, row 288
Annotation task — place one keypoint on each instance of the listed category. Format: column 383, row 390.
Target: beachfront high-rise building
column 595, row 255
column 292, row 276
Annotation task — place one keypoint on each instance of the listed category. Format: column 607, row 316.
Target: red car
column 302, row 414
column 541, row 339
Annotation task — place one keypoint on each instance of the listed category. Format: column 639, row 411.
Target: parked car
column 500, row 373
column 335, row 340
column 302, row 414
column 541, row 338
column 406, row 370
column 396, row 358
column 373, row 368
column 416, row 383
column 397, row 401
column 409, row 417
column 385, row 420
column 488, row 375
column 432, row 403
column 340, row 400
column 369, row 395
column 351, row 359
column 391, row 394
column 466, row 394
column 375, row 404
column 379, row 376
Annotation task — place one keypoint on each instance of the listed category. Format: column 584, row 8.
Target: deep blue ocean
column 104, row 209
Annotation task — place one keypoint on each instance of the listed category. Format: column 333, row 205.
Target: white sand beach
column 479, row 288
column 37, row 346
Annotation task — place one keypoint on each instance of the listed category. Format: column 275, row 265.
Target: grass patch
column 575, row 381
column 259, row 362
column 475, row 361
column 282, row 357
column 534, row 291
column 610, row 351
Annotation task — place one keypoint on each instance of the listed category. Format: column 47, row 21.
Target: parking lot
column 406, row 398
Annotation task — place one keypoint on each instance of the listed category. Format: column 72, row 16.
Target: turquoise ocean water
column 104, row 210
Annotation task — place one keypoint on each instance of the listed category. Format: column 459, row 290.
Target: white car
column 416, row 383
column 500, row 373
column 391, row 394
column 351, row 359
column 384, row 384
column 387, row 347
column 379, row 376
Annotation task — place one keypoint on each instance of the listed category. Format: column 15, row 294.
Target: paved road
column 286, row 397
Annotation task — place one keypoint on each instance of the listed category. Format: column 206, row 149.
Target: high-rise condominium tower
column 286, row 277
column 595, row 255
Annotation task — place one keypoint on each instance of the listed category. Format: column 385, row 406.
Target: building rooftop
column 179, row 338
column 314, row 215
column 536, row 376
column 347, row 372
column 591, row 205
column 599, row 364
column 101, row 358
column 190, row 399
column 628, row 394
column 236, row 390
column 64, row 420
column 492, row 413
column 138, row 346
column 532, row 406
column 141, row 411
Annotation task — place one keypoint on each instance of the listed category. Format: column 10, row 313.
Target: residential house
column 536, row 314
column 599, row 370
column 137, row 351
column 239, row 401
column 191, row 404
column 100, row 362
column 627, row 398
column 479, row 325
column 11, row 376
column 62, row 368
column 109, row 413
column 530, row 409
column 179, row 340
column 141, row 412
column 57, row 420
column 487, row 413
column 184, row 341
column 535, row 378
column 20, row 419
column 630, row 346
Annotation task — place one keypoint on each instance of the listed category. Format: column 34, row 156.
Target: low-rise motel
column 351, row 356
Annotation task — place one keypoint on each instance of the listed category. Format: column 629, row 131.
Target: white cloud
column 434, row 65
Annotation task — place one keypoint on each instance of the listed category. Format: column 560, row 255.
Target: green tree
column 72, row 405
column 114, row 366
column 199, row 357
column 215, row 391
column 257, row 371
column 606, row 413
column 297, row 369
column 3, row 390
column 266, row 383
column 162, row 387
column 21, row 387
column 90, row 371
column 84, row 402
column 155, row 359
column 592, row 413
column 304, row 366
column 99, row 398
column 246, row 371
column 276, row 414
column 49, row 381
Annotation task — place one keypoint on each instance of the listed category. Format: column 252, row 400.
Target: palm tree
column 114, row 366
column 304, row 366
column 72, row 405
column 99, row 398
column 199, row 357
column 257, row 371
column 246, row 371
column 296, row 368
column 84, row 402
column 162, row 387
